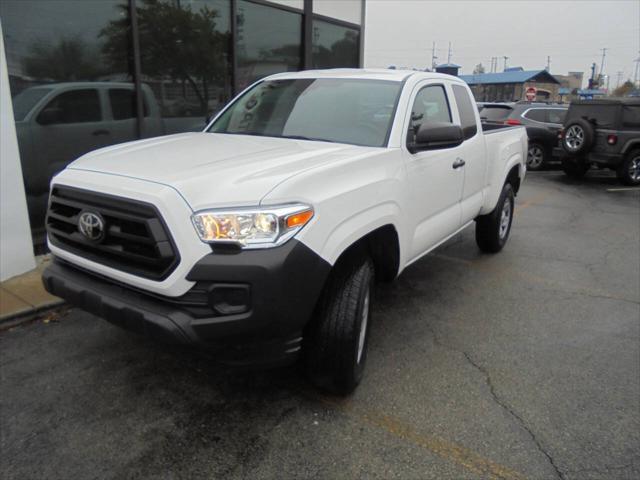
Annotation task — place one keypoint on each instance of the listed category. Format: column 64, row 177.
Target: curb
column 25, row 316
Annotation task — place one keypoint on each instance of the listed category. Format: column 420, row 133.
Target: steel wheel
column 535, row 157
column 574, row 138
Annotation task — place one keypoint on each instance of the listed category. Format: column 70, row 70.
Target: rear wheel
column 536, row 157
column 574, row 168
column 336, row 341
column 492, row 230
column 629, row 170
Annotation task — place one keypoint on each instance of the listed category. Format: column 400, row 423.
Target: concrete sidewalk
column 25, row 295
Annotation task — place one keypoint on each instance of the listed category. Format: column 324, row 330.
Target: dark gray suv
column 605, row 133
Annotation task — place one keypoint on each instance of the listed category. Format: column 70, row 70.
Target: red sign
column 530, row 94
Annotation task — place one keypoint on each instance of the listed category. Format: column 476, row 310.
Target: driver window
column 75, row 106
column 430, row 105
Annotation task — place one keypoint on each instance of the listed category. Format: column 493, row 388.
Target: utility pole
column 433, row 57
column 449, row 55
column 604, row 54
column 548, row 63
column 619, row 74
column 505, row 62
column 635, row 75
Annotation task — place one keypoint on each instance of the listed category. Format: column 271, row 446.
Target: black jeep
column 605, row 133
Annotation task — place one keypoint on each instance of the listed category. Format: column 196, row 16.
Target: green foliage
column 175, row 42
column 68, row 60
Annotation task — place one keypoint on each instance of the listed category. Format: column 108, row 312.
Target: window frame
column 412, row 99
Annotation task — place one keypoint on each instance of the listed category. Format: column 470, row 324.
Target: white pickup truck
column 260, row 238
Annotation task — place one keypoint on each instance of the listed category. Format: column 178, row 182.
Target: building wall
column 512, row 92
column 16, row 254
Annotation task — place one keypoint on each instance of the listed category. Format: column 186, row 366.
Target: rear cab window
column 466, row 111
column 123, row 103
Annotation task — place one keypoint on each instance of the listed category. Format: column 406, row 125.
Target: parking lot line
column 624, row 189
column 444, row 449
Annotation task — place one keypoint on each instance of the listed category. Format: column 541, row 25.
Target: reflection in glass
column 335, row 46
column 352, row 111
column 185, row 59
column 60, row 61
column 269, row 40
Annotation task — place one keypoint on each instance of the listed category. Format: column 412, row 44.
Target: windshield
column 353, row 111
column 495, row 113
column 26, row 100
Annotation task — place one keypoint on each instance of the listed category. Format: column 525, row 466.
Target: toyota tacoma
column 260, row 238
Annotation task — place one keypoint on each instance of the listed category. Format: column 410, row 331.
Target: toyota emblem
column 91, row 225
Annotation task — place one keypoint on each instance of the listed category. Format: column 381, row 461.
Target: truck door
column 435, row 185
column 473, row 152
column 70, row 125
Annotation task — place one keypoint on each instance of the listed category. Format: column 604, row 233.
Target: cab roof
column 363, row 73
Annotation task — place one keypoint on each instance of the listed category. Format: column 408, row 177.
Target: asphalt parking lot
column 521, row 365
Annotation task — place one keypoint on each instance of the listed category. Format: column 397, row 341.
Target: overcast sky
column 401, row 32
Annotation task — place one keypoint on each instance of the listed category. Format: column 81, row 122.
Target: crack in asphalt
column 500, row 402
column 515, row 415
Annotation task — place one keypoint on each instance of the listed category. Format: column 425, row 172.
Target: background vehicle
column 605, row 133
column 57, row 123
column 543, row 122
column 265, row 238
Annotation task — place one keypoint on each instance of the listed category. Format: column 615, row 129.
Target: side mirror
column 435, row 135
column 49, row 116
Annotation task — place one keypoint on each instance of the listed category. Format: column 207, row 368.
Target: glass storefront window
column 269, row 40
column 335, row 46
column 185, row 60
column 61, row 55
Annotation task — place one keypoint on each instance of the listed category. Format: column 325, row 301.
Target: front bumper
column 248, row 307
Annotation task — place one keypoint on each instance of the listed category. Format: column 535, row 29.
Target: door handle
column 459, row 163
column 101, row 132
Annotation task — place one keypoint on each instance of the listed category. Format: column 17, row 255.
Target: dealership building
column 76, row 75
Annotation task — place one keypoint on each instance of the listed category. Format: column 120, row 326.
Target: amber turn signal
column 298, row 219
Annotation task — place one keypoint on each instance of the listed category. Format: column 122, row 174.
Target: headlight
column 252, row 227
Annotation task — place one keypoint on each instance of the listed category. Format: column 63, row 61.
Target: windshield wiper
column 302, row 137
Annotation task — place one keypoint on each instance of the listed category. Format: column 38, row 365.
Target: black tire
column 578, row 137
column 629, row 169
column 491, row 233
column 574, row 168
column 537, row 157
column 334, row 355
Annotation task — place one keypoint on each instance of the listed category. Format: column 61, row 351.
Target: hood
column 216, row 170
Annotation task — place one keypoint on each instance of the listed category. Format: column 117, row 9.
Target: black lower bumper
column 610, row 160
column 247, row 307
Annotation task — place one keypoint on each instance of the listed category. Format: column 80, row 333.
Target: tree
column 68, row 60
column 623, row 89
column 479, row 69
column 175, row 42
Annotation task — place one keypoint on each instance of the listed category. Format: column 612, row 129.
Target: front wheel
column 336, row 342
column 492, row 229
column 629, row 170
